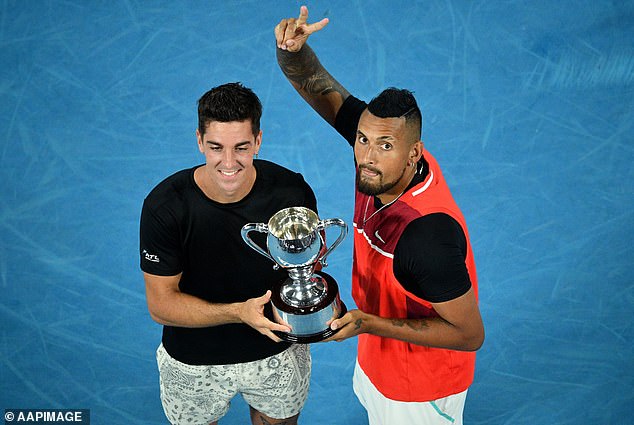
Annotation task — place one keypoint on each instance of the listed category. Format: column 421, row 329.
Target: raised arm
column 303, row 69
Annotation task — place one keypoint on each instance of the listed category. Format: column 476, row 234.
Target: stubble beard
column 379, row 188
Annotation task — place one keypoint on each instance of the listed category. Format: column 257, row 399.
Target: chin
column 369, row 190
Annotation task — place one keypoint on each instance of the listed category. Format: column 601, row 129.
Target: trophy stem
column 303, row 290
column 301, row 274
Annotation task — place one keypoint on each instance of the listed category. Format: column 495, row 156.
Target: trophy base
column 308, row 323
column 309, row 339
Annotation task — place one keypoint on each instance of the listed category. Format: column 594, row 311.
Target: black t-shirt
column 429, row 258
column 182, row 230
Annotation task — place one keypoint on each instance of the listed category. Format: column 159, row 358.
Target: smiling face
column 228, row 174
column 386, row 151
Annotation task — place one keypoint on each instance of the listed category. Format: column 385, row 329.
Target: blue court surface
column 528, row 106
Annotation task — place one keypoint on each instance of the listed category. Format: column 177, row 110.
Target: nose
column 366, row 154
column 229, row 158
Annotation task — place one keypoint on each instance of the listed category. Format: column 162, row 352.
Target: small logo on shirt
column 151, row 257
column 378, row 236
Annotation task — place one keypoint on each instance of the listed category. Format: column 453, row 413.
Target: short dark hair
column 397, row 103
column 229, row 102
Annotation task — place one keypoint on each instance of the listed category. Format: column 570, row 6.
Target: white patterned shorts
column 276, row 386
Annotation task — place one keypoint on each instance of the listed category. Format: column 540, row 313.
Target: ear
column 258, row 142
column 416, row 151
column 199, row 139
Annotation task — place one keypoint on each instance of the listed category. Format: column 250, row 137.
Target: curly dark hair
column 229, row 102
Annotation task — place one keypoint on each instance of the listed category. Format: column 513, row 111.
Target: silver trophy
column 307, row 300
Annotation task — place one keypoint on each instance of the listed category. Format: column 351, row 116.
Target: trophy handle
column 343, row 227
column 258, row 227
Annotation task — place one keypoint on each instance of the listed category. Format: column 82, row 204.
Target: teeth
column 229, row 173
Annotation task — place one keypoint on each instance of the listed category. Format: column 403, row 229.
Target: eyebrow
column 382, row 138
column 240, row 144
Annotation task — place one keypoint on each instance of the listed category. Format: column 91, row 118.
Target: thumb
column 335, row 324
column 265, row 298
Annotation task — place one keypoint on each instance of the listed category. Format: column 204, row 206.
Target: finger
column 303, row 15
column 267, row 327
column 272, row 336
column 339, row 336
column 273, row 326
column 317, row 26
column 336, row 324
column 342, row 335
column 279, row 32
column 341, row 322
column 282, row 322
column 289, row 31
column 279, row 327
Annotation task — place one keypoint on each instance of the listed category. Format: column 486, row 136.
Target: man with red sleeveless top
column 414, row 277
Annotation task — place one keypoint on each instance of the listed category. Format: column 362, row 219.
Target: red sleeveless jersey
column 400, row 370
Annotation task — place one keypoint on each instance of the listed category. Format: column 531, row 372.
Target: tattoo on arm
column 358, row 324
column 304, row 69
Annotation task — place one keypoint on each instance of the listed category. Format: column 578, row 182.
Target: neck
column 219, row 194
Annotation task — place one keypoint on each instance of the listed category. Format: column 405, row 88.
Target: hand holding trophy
column 307, row 300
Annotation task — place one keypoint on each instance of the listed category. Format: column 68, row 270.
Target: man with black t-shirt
column 207, row 287
column 414, row 277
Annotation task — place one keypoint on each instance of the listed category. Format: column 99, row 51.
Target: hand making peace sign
column 291, row 33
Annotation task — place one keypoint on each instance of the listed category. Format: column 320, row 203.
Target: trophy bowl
column 308, row 300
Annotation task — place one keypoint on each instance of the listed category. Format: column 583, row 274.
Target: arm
column 303, row 69
column 458, row 327
column 169, row 306
column 429, row 262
